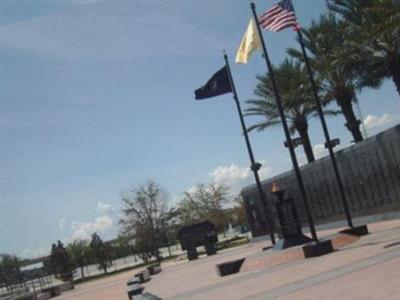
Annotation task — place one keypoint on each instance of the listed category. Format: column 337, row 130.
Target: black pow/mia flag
column 217, row 85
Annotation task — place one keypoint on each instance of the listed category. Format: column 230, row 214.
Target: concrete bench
column 133, row 280
column 229, row 267
column 54, row 291
column 146, row 296
column 134, row 290
column 143, row 276
column 154, row 269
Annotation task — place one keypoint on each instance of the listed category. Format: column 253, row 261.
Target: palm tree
column 376, row 27
column 297, row 100
column 341, row 76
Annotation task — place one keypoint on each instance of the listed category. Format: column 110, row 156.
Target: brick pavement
column 366, row 269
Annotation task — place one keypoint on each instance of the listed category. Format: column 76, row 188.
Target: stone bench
column 134, row 290
column 132, row 281
column 54, row 291
column 154, row 269
column 229, row 267
column 143, row 276
column 146, row 296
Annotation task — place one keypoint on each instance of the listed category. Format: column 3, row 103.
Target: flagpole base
column 356, row 231
column 317, row 249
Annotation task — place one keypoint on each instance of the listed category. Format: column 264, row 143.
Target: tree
column 145, row 245
column 79, row 252
column 170, row 227
column 145, row 208
column 121, row 247
column 341, row 76
column 297, row 99
column 205, row 202
column 239, row 212
column 375, row 27
column 101, row 252
column 124, row 246
column 60, row 261
column 9, row 268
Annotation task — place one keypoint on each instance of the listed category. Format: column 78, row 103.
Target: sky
column 97, row 97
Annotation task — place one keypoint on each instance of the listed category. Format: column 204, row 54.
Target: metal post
column 326, row 133
column 286, row 130
column 254, row 165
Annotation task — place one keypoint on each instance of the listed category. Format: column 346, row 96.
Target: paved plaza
column 368, row 268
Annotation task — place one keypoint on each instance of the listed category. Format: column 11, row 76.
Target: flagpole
column 286, row 130
column 326, row 133
column 254, row 165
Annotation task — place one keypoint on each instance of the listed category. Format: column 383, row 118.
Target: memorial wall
column 370, row 172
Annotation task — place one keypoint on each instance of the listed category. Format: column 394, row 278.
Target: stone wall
column 370, row 172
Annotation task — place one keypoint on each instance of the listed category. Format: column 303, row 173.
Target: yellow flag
column 250, row 42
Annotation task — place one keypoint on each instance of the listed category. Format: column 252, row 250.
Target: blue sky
column 97, row 96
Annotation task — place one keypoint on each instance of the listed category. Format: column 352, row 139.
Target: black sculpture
column 200, row 234
column 290, row 225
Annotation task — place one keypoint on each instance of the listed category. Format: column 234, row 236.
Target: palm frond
column 261, row 126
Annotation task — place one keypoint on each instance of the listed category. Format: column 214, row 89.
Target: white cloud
column 191, row 190
column 237, row 177
column 61, row 223
column 230, row 173
column 84, row 230
column 175, row 199
column 320, row 151
column 372, row 121
column 104, row 207
column 37, row 252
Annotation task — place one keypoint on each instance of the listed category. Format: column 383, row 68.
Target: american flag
column 279, row 16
